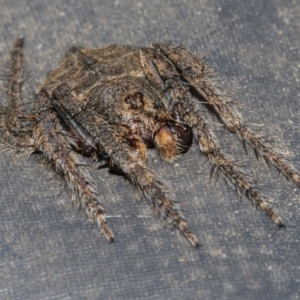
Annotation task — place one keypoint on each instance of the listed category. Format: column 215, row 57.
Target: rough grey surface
column 48, row 252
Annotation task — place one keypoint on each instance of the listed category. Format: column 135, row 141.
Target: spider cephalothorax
column 117, row 101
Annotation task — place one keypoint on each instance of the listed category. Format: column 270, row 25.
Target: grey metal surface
column 48, row 250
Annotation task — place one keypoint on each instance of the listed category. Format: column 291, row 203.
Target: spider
column 111, row 104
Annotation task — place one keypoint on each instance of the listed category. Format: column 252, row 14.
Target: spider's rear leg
column 16, row 127
column 193, row 70
column 15, row 85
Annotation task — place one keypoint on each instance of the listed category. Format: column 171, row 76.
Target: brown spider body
column 117, row 101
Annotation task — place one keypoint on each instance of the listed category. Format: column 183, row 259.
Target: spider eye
column 177, row 116
column 136, row 100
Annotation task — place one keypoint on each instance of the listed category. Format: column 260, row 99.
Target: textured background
column 48, row 250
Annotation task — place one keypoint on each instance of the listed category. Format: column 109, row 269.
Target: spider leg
column 181, row 101
column 15, row 84
column 129, row 161
column 224, row 164
column 56, row 144
column 16, row 128
column 153, row 188
column 193, row 70
column 124, row 155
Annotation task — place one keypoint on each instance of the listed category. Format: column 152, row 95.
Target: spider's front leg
column 195, row 72
column 149, row 183
column 178, row 99
column 225, row 165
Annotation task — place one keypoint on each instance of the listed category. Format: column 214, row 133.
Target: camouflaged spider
column 116, row 101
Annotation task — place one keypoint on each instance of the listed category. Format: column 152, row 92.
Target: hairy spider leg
column 193, row 70
column 126, row 158
column 182, row 100
column 56, row 144
column 16, row 128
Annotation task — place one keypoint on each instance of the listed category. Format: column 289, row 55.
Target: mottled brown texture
column 116, row 101
column 48, row 249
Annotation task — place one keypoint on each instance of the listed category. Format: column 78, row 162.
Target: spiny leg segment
column 15, row 85
column 224, row 164
column 16, row 128
column 56, row 144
